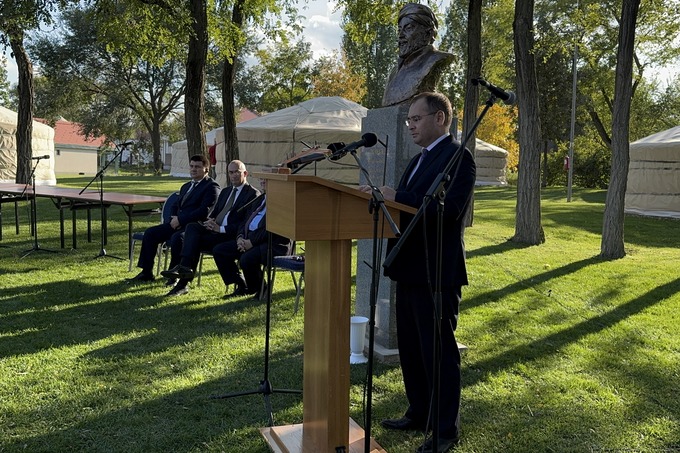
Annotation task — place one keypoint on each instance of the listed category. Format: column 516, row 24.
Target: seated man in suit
column 222, row 225
column 250, row 249
column 195, row 200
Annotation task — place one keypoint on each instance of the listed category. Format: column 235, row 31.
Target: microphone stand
column 376, row 204
column 437, row 191
column 100, row 175
column 265, row 388
column 34, row 214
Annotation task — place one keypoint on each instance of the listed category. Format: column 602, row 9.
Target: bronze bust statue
column 420, row 65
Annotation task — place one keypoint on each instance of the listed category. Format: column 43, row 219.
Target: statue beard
column 407, row 47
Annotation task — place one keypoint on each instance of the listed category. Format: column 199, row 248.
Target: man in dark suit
column 250, row 249
column 195, row 200
column 222, row 225
column 414, row 270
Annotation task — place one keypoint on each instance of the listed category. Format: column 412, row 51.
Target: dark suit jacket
column 194, row 207
column 409, row 264
column 236, row 215
column 258, row 237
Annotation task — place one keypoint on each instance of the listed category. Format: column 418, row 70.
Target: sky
column 322, row 31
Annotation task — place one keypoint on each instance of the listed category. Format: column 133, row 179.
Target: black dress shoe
column 171, row 282
column 402, row 424
column 443, row 445
column 240, row 291
column 141, row 277
column 178, row 291
column 179, row 271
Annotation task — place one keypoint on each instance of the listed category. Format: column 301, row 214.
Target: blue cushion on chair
column 295, row 263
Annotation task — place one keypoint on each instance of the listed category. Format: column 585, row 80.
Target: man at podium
column 414, row 271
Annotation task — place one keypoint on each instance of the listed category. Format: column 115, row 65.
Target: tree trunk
column 194, row 100
column 24, row 134
column 612, row 246
column 528, row 228
column 228, row 107
column 474, row 70
column 156, row 146
column 230, row 136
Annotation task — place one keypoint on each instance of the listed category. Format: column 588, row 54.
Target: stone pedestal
column 385, row 165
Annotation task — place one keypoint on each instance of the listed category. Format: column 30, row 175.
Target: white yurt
column 271, row 139
column 654, row 175
column 180, row 155
column 492, row 162
column 42, row 142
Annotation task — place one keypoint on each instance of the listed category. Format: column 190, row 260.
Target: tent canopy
column 42, row 143
column 654, row 175
column 272, row 138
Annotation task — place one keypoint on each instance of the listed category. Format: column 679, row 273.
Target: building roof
column 246, row 115
column 69, row 133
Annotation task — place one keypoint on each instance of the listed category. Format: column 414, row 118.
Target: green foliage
column 591, row 164
column 281, row 78
column 109, row 92
column 333, row 76
column 5, row 99
column 230, row 39
column 454, row 41
column 566, row 352
column 20, row 16
column 137, row 30
column 370, row 43
column 559, row 26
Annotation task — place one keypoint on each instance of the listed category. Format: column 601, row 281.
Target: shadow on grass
column 107, row 415
column 534, row 280
column 495, row 249
column 552, row 343
column 57, row 317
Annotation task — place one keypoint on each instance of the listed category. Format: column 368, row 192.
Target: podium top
column 307, row 207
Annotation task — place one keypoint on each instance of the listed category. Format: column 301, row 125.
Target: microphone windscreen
column 370, row 139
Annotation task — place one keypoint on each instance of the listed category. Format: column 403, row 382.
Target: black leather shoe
column 141, row 277
column 443, row 445
column 179, row 271
column 402, row 424
column 240, row 291
column 178, row 291
column 171, row 282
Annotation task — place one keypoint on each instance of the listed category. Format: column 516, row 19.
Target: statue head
column 417, row 28
column 419, row 65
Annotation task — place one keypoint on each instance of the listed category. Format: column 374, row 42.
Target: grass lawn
column 568, row 353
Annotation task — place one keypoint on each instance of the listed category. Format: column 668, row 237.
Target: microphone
column 126, row 144
column 46, row 156
column 306, row 158
column 369, row 139
column 508, row 97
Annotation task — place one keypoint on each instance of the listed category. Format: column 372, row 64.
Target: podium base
column 288, row 439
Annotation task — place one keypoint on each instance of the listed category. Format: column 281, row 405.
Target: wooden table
column 63, row 198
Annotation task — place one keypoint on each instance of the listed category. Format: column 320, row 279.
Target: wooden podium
column 327, row 216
